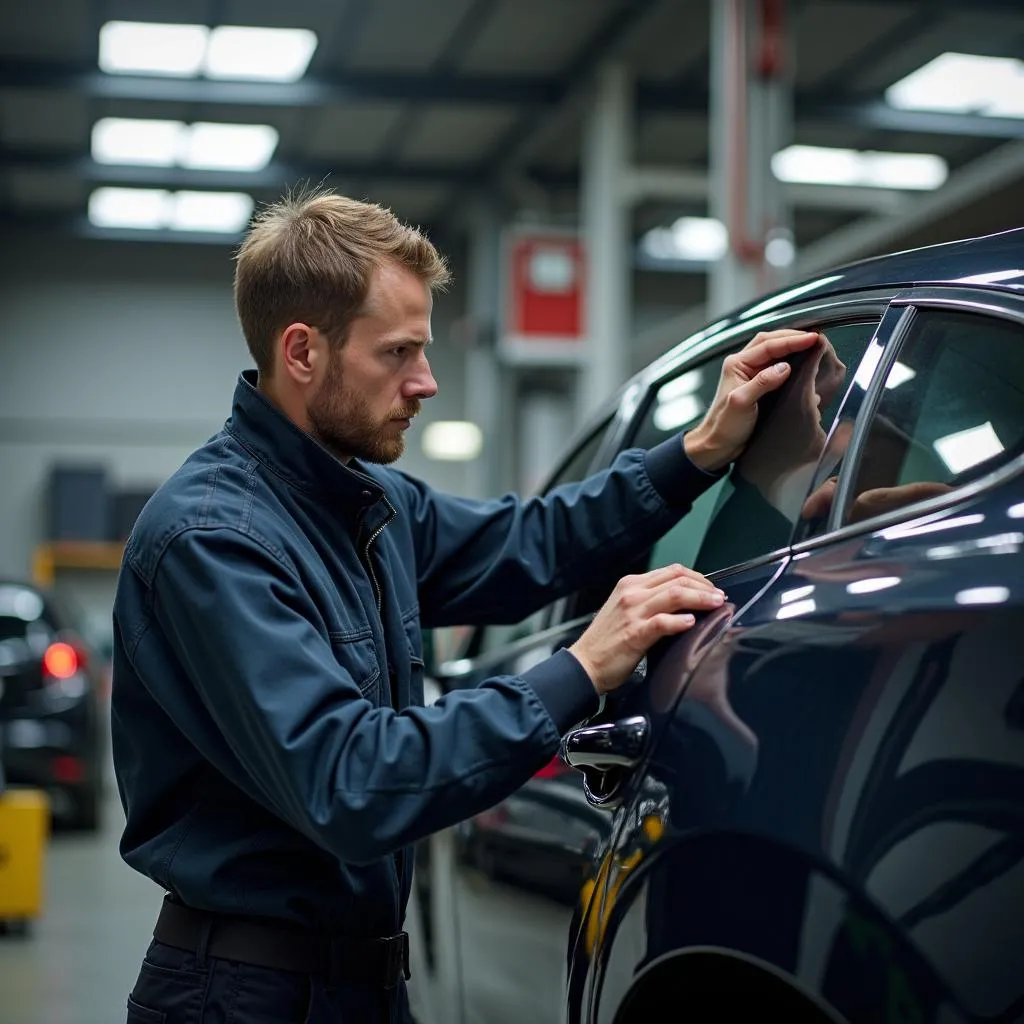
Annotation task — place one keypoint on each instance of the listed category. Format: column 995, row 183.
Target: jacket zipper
column 379, row 595
column 377, row 592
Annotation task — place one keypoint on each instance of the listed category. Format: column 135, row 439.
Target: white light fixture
column 872, row 585
column 452, row 440
column 866, row 371
column 983, row 595
column 899, row 374
column 201, row 146
column 796, row 594
column 235, row 147
column 701, row 239
column 266, row 54
column 133, row 47
column 677, row 412
column 156, row 209
column 1016, row 511
column 819, row 165
column 963, row 83
column 228, row 51
column 969, row 447
column 129, row 140
column 223, row 212
column 129, row 207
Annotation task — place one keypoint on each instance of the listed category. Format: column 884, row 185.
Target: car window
column 752, row 509
column 575, row 468
column 952, row 410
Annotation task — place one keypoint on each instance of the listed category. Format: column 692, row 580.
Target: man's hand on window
column 747, row 376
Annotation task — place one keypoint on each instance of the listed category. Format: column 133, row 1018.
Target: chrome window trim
column 1006, row 307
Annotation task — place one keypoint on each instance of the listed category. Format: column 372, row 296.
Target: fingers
column 677, row 596
column 656, row 577
column 770, row 346
column 820, row 501
column 745, row 396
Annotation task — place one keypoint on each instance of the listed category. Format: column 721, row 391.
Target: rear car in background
column 50, row 713
column 812, row 806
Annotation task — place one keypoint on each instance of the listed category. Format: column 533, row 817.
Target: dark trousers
column 175, row 987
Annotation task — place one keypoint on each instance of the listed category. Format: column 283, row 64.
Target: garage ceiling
column 420, row 105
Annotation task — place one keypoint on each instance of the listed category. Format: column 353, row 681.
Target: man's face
column 375, row 382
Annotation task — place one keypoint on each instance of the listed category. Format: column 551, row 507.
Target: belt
column 378, row 962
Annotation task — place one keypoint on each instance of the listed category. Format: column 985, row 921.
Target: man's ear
column 303, row 352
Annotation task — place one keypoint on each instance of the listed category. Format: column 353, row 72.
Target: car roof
column 988, row 261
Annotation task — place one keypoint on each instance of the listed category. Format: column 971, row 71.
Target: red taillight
column 67, row 769
column 61, row 661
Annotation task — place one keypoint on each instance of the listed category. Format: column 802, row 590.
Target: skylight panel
column 127, row 140
column 266, row 54
column 158, row 209
column 132, row 47
column 819, row 165
column 236, row 147
column 963, row 83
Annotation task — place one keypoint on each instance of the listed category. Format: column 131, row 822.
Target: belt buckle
column 396, row 959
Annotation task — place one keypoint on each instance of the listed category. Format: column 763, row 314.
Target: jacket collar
column 292, row 454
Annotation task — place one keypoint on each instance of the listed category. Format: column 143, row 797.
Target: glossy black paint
column 828, row 819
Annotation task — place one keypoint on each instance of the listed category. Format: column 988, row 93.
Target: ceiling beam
column 543, row 96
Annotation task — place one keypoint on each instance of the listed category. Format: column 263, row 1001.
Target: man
column 272, row 752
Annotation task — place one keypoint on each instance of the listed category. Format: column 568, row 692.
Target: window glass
column 952, row 410
column 751, row 511
column 574, row 469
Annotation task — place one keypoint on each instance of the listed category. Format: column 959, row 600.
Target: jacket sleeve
column 293, row 731
column 499, row 560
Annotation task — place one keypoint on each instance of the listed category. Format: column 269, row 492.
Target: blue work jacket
column 270, row 745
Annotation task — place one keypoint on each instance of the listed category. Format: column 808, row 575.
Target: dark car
column 813, row 802
column 49, row 705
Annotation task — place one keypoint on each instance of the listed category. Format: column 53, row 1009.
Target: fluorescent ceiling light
column 899, row 374
column 236, row 147
column 866, row 371
column 268, row 54
column 154, row 209
column 968, row 448
column 963, row 83
column 127, row 140
column 701, row 239
column 796, row 609
column 677, row 411
column 226, row 212
column 132, row 47
column 129, row 207
column 819, row 165
column 452, row 440
column 228, row 51
column 796, row 594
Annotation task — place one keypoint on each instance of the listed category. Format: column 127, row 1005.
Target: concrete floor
column 80, row 958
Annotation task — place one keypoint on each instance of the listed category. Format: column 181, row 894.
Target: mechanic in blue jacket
column 272, row 752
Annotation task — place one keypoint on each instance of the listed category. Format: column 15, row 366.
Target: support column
column 484, row 403
column 605, row 221
column 750, row 119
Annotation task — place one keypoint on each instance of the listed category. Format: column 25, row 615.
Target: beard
column 342, row 421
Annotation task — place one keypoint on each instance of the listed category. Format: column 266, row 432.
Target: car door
column 518, row 869
column 837, row 801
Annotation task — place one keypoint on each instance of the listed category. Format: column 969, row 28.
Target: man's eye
column 400, row 351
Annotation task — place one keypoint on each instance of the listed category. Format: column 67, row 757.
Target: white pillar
column 484, row 404
column 605, row 219
column 749, row 120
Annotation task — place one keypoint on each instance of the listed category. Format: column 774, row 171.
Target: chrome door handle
column 610, row 745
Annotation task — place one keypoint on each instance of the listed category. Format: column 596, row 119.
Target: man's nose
column 421, row 384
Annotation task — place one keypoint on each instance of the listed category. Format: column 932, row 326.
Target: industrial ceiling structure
column 425, row 105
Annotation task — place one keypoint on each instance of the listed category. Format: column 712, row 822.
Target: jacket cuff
column 674, row 476
column 564, row 688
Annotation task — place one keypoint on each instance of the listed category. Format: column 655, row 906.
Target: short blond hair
column 309, row 258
